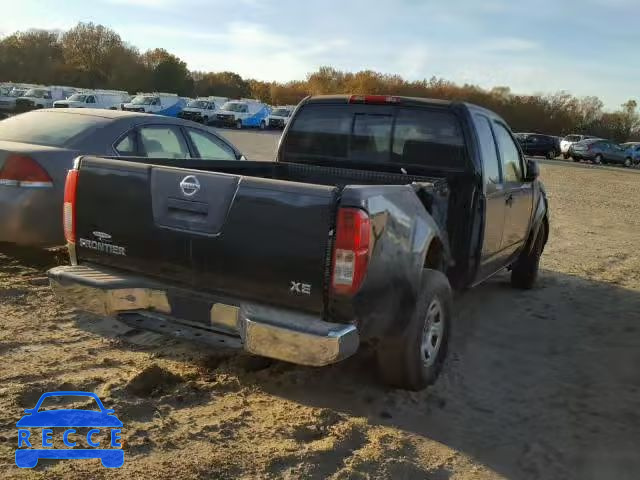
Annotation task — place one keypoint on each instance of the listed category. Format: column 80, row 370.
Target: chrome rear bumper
column 262, row 330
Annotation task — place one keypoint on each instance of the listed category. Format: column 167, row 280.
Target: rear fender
column 403, row 232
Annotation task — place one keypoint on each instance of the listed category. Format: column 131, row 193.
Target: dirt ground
column 542, row 384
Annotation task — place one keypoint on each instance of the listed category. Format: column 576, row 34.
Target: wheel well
column 435, row 256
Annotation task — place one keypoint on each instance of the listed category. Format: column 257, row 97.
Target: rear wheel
column 263, row 125
column 598, row 160
column 239, row 124
column 628, row 162
column 413, row 359
column 205, row 120
column 565, row 156
column 551, row 154
column 524, row 272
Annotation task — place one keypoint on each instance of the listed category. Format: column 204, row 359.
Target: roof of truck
column 406, row 101
column 345, row 98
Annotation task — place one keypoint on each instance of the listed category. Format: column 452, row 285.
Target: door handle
column 509, row 200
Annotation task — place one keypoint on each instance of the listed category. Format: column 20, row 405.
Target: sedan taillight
column 23, row 171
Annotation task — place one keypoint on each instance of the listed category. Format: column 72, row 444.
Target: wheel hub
column 432, row 333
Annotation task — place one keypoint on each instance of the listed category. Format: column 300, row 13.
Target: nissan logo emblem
column 190, row 186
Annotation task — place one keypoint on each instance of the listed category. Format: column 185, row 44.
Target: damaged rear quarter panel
column 402, row 231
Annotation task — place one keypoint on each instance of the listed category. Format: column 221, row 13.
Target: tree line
column 94, row 56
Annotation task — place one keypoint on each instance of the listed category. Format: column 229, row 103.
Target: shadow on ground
column 538, row 384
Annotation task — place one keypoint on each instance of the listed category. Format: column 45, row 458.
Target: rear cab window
column 423, row 136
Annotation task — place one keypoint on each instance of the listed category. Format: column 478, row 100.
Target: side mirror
column 533, row 170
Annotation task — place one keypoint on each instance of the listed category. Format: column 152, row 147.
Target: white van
column 168, row 104
column 9, row 93
column 203, row 109
column 279, row 116
column 106, row 99
column 243, row 113
column 42, row 97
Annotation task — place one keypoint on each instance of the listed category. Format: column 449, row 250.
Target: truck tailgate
column 243, row 237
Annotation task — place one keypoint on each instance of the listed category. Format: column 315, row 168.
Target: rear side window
column 54, row 129
column 163, row 142
column 209, row 147
column 491, row 164
column 127, row 146
column 418, row 136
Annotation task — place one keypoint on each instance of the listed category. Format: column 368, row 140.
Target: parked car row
column 601, row 151
column 219, row 111
column 537, row 145
column 580, row 148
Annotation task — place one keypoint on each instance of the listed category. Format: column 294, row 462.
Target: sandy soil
column 538, row 385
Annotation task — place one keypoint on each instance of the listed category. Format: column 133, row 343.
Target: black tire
column 205, row 120
column 263, row 125
column 403, row 361
column 239, row 124
column 524, row 272
column 551, row 154
column 628, row 162
column 598, row 160
column 565, row 156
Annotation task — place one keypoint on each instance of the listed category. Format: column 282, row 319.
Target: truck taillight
column 69, row 206
column 23, row 171
column 351, row 250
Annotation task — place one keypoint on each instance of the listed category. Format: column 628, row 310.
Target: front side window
column 91, row 99
column 509, row 154
column 163, row 142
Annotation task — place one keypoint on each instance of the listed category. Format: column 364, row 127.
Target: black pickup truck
column 375, row 207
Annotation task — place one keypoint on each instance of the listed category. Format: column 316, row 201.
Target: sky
column 585, row 47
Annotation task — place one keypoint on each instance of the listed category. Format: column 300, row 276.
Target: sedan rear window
column 54, row 129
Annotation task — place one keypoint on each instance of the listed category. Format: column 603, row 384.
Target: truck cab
column 9, row 96
column 104, row 99
column 203, row 109
column 168, row 104
column 243, row 113
column 279, row 117
column 42, row 97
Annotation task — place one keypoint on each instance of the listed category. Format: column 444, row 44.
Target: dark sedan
column 600, row 152
column 535, row 144
column 37, row 149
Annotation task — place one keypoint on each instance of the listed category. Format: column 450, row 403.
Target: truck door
column 495, row 207
column 518, row 193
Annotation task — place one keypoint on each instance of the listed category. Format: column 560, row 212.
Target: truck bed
column 250, row 231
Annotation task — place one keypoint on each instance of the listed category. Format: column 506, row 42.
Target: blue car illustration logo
column 29, row 452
